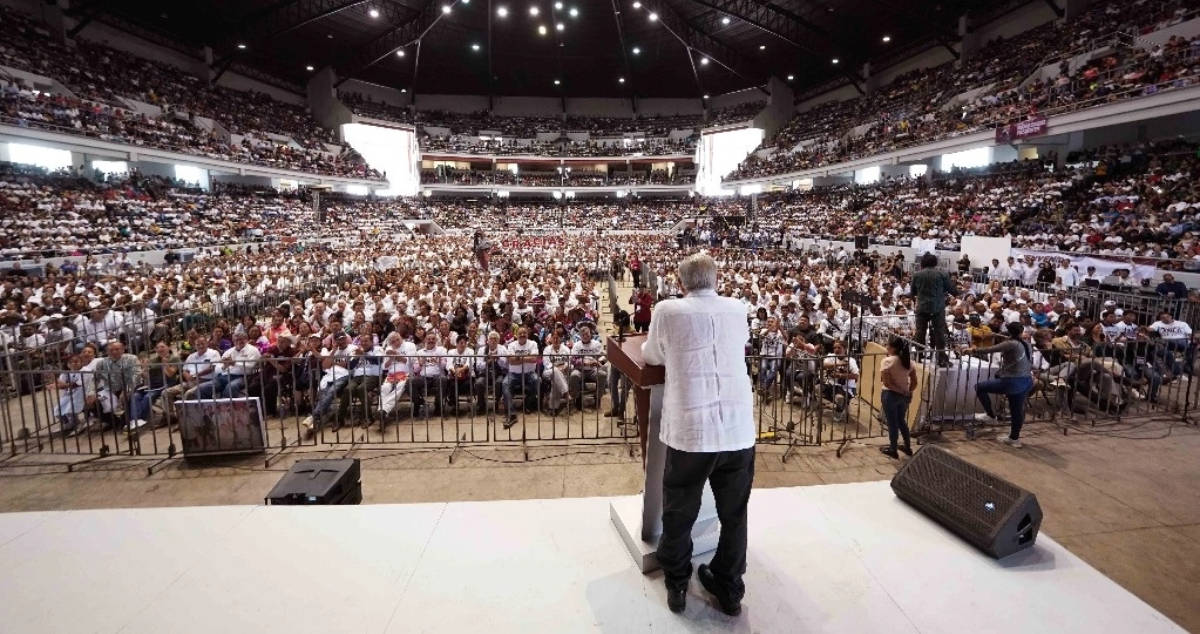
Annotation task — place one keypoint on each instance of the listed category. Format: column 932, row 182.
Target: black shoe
column 728, row 605
column 512, row 420
column 889, row 452
column 677, row 599
column 906, row 450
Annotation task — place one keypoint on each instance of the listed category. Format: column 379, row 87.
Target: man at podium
column 708, row 428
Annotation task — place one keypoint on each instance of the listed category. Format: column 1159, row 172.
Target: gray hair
column 698, row 272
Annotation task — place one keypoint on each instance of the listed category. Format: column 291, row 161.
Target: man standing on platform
column 931, row 287
column 708, row 428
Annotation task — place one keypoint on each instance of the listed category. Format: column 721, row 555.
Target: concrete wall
column 323, row 102
column 928, row 58
column 1014, row 22
column 384, row 94
column 452, row 103
column 600, row 107
column 654, row 107
column 837, row 94
column 737, row 97
column 1188, row 29
column 241, row 82
column 527, row 106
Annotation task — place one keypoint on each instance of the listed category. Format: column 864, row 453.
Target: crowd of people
column 247, row 126
column 76, row 213
column 510, row 146
column 573, row 178
column 926, row 104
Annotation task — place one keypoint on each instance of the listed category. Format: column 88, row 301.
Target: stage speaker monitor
column 987, row 511
column 319, row 482
column 861, row 243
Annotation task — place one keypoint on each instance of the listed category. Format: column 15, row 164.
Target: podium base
column 626, row 514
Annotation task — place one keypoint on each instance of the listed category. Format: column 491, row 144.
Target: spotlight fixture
column 557, row 82
column 725, row 20
column 887, row 38
column 400, row 53
column 446, row 9
column 373, row 12
column 241, row 47
column 502, row 12
column 403, row 90
column 835, row 60
column 574, row 12
column 534, row 11
column 704, row 61
column 791, row 77
column 474, row 47
column 653, row 16
column 560, row 26
column 309, row 68
column 541, row 29
column 706, row 95
column 637, row 51
column 762, row 47
column 620, row 80
column 637, row 5
column 558, row 5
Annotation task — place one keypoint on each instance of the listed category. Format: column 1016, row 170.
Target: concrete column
column 870, row 82
column 54, row 20
column 1074, row 8
column 968, row 40
column 779, row 108
column 323, row 102
column 203, row 67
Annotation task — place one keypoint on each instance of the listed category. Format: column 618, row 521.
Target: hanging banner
column 1021, row 130
column 1081, row 263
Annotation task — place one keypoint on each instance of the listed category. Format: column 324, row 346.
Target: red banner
column 1021, row 130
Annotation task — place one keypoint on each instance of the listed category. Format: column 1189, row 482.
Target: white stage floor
column 839, row 558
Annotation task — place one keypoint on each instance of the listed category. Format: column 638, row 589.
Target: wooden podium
column 639, row 519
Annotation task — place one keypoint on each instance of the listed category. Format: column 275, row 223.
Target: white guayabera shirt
column 707, row 401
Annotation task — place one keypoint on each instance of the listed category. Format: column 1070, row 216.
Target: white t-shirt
column 1174, row 330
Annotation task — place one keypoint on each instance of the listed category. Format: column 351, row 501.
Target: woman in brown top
column 899, row 379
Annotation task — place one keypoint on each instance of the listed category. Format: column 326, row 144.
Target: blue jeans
column 1017, row 390
column 528, row 383
column 1188, row 355
column 142, row 400
column 767, row 371
column 895, row 411
column 223, row 386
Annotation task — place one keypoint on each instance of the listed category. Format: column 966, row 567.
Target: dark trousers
column 936, row 320
column 637, row 278
column 731, row 473
column 1016, row 388
column 895, row 410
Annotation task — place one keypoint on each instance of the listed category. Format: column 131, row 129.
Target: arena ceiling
column 600, row 48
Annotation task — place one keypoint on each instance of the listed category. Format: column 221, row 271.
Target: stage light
column 835, row 60
column 241, row 47
column 474, row 47
column 557, row 82
column 706, row 96
column 704, row 61
column 620, row 80
column 653, row 16
column 560, row 26
column 637, row 51
column 791, row 77
column 502, row 12
column 762, row 47
column 373, row 12
column 308, row 68
column 637, row 5
column 558, row 5
column 725, row 20
column 446, row 9
column 541, row 29
column 466, row 1
column 400, row 53
column 403, row 90
column 887, row 38
column 534, row 11
column 574, row 12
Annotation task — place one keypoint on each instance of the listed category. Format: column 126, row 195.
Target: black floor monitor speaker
column 861, row 243
column 319, row 482
column 991, row 513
